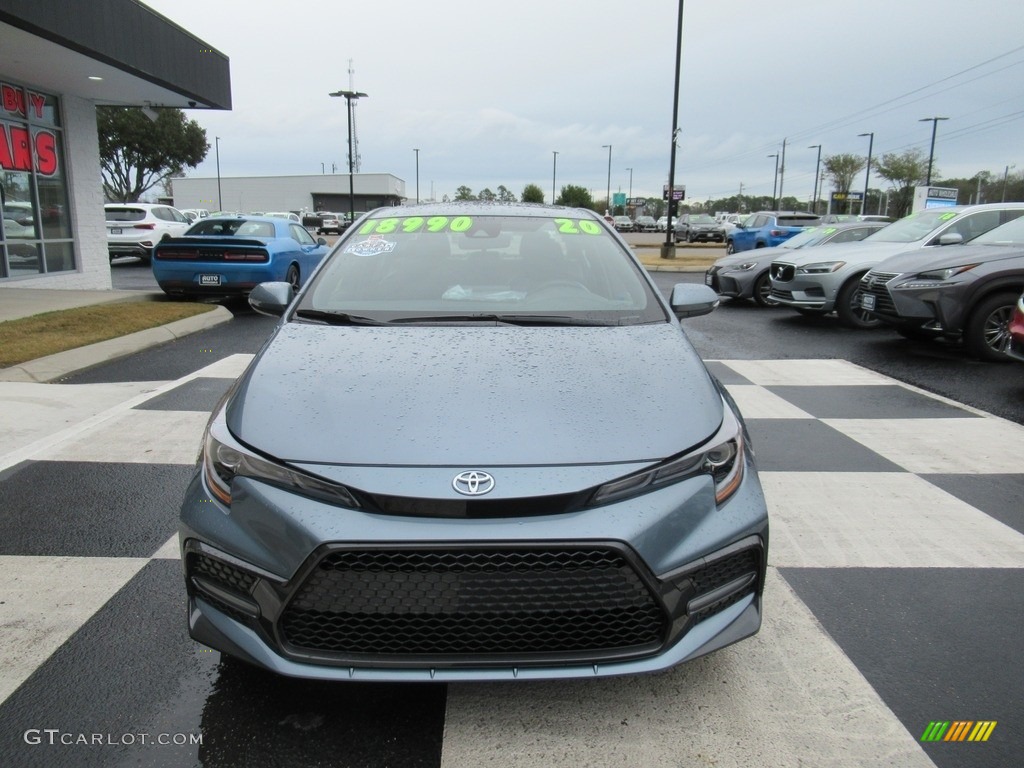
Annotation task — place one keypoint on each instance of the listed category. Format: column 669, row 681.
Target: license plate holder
column 209, row 279
column 867, row 301
column 115, row 230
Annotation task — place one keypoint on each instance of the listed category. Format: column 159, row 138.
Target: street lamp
column 931, row 153
column 867, row 174
column 349, row 95
column 631, row 185
column 554, row 172
column 668, row 250
column 417, row 174
column 775, row 178
column 608, row 194
column 1006, row 173
column 817, row 191
column 220, row 205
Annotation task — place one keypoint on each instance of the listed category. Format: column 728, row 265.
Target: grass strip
column 51, row 332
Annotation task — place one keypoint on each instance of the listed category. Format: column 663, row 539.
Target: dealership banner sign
column 24, row 147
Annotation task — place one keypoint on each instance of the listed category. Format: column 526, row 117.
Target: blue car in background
column 767, row 229
column 229, row 256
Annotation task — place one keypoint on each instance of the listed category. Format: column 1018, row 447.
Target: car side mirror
column 321, row 241
column 271, row 298
column 689, row 300
column 951, row 238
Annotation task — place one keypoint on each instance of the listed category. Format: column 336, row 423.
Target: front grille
column 778, row 293
column 477, row 603
column 724, row 571
column 221, row 573
column 783, row 272
column 874, row 283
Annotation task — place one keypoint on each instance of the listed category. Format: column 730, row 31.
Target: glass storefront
column 35, row 232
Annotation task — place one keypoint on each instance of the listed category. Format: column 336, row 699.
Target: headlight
column 224, row 458
column 742, row 267
column 933, row 278
column 820, row 268
column 721, row 458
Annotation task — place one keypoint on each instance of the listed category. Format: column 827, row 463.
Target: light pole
column 349, row 95
column 1006, row 173
column 608, row 194
column 782, row 170
column 775, row 178
column 630, row 197
column 816, row 167
column 867, row 174
column 931, row 153
column 668, row 250
column 554, row 174
column 220, row 205
column 417, row 174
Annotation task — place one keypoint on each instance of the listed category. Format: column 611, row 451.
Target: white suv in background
column 134, row 228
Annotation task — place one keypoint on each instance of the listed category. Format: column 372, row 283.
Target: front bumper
column 310, row 590
column 736, row 284
column 940, row 309
column 801, row 291
column 192, row 279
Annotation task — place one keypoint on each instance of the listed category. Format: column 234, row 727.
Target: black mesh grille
column 874, row 283
column 721, row 572
column 221, row 573
column 415, row 603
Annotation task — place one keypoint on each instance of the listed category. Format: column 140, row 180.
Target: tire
column 762, row 291
column 293, row 277
column 848, row 307
column 986, row 334
column 730, row 247
column 689, row 238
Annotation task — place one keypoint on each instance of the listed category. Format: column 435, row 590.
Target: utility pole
column 816, row 167
column 931, row 153
column 782, row 171
column 867, row 173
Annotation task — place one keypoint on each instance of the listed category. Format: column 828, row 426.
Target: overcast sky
column 489, row 90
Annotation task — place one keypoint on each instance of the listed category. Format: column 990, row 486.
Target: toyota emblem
column 473, row 483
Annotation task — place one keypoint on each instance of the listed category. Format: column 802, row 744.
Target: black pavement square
column 89, row 509
column 808, row 445
column 999, row 496
column 867, row 402
column 935, row 643
column 725, row 374
column 200, row 394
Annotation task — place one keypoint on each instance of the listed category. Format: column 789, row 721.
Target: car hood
column 926, row 259
column 851, row 253
column 475, row 396
column 765, row 255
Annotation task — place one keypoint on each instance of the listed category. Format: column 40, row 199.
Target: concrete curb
column 61, row 364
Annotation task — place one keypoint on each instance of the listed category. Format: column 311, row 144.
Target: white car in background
column 134, row 228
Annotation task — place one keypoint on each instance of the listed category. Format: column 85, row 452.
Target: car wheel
column 987, row 333
column 730, row 247
column 690, row 238
column 763, row 291
column 293, row 277
column 848, row 307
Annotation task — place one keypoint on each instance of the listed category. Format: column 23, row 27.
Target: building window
column 35, row 233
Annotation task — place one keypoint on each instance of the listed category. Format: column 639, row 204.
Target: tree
column 505, row 195
column 464, row 193
column 532, row 194
column 137, row 153
column 841, row 169
column 904, row 171
column 486, row 194
column 575, row 197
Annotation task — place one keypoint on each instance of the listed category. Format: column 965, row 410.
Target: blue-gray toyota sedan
column 478, row 446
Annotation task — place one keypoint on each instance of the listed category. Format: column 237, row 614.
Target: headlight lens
column 721, row 457
column 821, row 267
column 742, row 267
column 945, row 274
column 224, row 458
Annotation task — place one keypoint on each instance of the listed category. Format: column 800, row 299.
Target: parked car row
column 953, row 272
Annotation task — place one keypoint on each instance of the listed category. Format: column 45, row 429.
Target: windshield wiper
column 507, row 319
column 337, row 318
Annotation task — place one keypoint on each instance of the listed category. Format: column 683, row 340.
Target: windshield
column 916, row 226
column 807, row 237
column 1010, row 233
column 436, row 266
column 232, row 228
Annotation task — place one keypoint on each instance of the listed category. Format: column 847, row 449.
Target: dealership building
column 300, row 194
column 58, row 64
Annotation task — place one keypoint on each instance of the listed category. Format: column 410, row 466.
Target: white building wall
column 85, row 189
column 278, row 193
